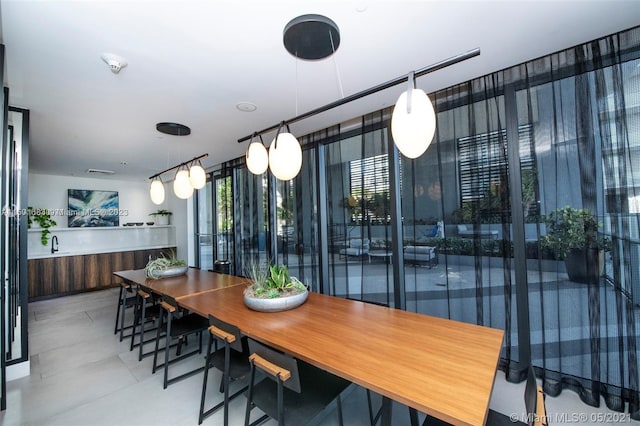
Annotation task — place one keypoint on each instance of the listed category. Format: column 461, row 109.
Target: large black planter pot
column 584, row 265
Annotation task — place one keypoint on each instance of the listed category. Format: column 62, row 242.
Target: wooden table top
column 440, row 367
column 195, row 281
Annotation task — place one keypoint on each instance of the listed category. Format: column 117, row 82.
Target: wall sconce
column 190, row 175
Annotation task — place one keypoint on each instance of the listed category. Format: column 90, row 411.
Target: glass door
column 223, row 236
column 359, row 217
column 204, row 233
column 297, row 223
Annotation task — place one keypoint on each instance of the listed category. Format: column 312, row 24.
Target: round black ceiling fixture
column 174, row 129
column 311, row 37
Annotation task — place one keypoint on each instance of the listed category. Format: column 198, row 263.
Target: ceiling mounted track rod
column 179, row 165
column 403, row 79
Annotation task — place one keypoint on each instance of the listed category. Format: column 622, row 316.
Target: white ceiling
column 192, row 61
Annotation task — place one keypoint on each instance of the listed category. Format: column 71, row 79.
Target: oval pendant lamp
column 256, row 156
column 413, row 122
column 157, row 191
column 181, row 184
column 197, row 176
column 285, row 155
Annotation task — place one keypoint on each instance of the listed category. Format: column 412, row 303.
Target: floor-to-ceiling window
column 297, row 222
column 457, row 234
column 251, row 223
column 583, row 108
column 223, row 238
column 359, row 214
column 204, row 223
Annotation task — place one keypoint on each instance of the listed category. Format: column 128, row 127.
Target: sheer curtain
column 513, row 150
column 583, row 105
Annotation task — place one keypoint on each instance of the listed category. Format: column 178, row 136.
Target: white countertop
column 57, row 229
column 94, row 240
column 80, row 253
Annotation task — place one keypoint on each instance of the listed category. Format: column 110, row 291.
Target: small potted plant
column 166, row 266
column 272, row 289
column 161, row 216
column 572, row 235
column 41, row 218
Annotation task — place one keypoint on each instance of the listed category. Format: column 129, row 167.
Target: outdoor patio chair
column 357, row 247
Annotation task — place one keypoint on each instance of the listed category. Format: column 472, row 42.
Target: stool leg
column 136, row 318
column 204, row 380
column 167, row 344
column 143, row 318
column 122, row 313
column 115, row 331
column 155, row 352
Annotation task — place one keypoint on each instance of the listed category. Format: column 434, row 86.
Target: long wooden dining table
column 194, row 282
column 437, row 366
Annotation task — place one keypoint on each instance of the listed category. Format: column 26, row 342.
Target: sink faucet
column 54, row 244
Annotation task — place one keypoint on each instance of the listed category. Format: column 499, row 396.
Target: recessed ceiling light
column 246, row 106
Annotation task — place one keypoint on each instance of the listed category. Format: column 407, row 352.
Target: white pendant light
column 413, row 122
column 257, row 157
column 285, row 155
column 189, row 175
column 157, row 191
column 197, row 176
column 181, row 184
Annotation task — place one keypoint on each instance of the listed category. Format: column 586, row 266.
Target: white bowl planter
column 173, row 271
column 276, row 304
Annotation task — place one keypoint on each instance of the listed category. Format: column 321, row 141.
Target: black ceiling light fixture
column 311, row 37
column 174, row 129
column 190, row 175
column 413, row 120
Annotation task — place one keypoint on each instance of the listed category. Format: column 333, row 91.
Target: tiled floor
column 81, row 374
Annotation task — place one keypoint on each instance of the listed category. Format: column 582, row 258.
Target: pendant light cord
column 335, row 65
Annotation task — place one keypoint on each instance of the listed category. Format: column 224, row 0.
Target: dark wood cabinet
column 58, row 276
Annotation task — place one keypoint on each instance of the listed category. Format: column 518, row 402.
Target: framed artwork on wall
column 93, row 208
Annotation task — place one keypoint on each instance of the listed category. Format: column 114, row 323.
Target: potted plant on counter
column 166, row 266
column 572, row 235
column 161, row 216
column 40, row 218
column 272, row 289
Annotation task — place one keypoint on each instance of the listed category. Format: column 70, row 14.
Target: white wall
column 50, row 192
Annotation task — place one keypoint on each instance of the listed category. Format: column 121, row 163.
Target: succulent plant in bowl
column 165, row 266
column 272, row 289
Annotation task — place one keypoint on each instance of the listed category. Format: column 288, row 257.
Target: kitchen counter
column 83, row 241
